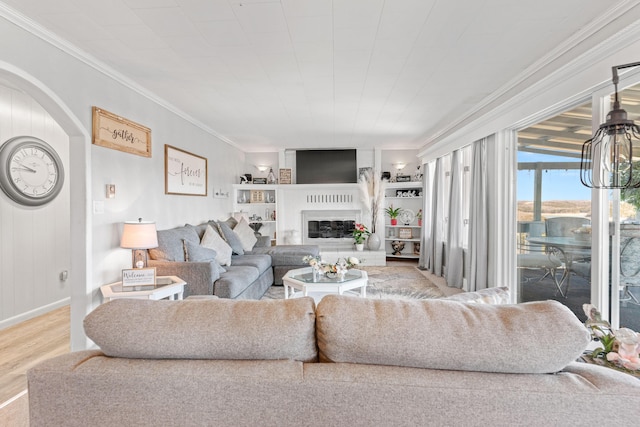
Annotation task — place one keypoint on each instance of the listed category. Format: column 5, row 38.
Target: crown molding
column 53, row 39
column 479, row 114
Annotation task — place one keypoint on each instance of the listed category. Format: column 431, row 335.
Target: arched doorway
column 79, row 189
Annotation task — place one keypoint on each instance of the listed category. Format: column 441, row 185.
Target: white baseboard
column 33, row 313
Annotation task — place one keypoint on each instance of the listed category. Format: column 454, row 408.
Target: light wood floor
column 26, row 344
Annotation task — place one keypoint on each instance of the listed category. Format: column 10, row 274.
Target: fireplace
column 329, row 228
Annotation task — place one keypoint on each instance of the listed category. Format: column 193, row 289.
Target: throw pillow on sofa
column 246, row 235
column 170, row 246
column 212, row 240
column 198, row 253
column 230, row 237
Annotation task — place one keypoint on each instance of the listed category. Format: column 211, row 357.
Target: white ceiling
column 273, row 74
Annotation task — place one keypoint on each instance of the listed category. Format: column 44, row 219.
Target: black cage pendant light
column 608, row 158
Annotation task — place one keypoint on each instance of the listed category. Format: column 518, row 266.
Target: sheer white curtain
column 438, row 219
column 454, row 258
column 477, row 273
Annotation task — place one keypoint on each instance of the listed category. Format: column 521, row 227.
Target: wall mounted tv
column 326, row 166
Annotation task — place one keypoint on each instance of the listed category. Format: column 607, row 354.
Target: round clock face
column 33, row 173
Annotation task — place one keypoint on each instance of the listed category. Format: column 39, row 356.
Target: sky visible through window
column 556, row 184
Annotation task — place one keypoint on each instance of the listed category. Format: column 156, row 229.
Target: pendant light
column 608, row 158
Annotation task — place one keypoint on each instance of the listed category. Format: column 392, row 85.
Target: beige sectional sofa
column 348, row 362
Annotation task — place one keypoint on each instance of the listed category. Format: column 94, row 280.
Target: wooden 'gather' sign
column 115, row 132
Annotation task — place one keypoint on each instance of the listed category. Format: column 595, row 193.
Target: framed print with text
column 184, row 173
column 118, row 133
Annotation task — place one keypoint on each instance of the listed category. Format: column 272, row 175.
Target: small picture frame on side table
column 404, row 233
column 135, row 277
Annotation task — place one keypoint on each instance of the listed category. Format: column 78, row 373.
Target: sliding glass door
column 554, row 211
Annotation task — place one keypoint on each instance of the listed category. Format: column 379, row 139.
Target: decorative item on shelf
column 419, row 216
column 386, row 175
column 259, row 180
column 139, row 236
column 417, row 175
column 405, row 233
column 607, row 159
column 270, row 197
column 406, row 216
column 408, row 193
column 242, row 197
column 393, row 214
column 271, row 177
column 245, row 179
column 403, row 178
column 257, row 196
column 620, row 348
column 397, row 247
column 416, row 248
column 256, row 226
column 372, row 188
column 360, row 233
column 285, row 176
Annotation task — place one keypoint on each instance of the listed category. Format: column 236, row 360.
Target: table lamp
column 139, row 236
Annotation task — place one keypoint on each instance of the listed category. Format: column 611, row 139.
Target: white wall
column 34, row 241
column 72, row 87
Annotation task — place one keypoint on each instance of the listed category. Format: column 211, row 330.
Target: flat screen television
column 326, row 166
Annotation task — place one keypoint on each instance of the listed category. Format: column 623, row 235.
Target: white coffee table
column 171, row 287
column 299, row 282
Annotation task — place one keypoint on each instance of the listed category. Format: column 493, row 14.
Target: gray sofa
column 249, row 276
column 349, row 362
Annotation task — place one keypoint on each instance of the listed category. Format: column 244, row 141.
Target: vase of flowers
column 320, row 268
column 620, row 348
column 372, row 188
column 360, row 233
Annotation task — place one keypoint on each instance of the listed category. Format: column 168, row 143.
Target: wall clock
column 32, row 172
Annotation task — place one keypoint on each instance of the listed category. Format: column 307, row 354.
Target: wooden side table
column 171, row 287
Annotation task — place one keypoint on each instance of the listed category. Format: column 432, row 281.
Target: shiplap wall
column 34, row 241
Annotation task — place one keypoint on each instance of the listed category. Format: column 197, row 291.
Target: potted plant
column 393, row 214
column 360, row 233
column 419, row 216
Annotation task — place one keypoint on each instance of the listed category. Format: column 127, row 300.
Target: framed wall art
column 117, row 133
column 184, row 173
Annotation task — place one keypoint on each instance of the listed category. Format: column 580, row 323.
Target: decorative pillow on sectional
column 535, row 337
column 170, row 247
column 231, row 238
column 215, row 328
column 198, row 253
column 246, row 235
column 212, row 240
column 483, row 296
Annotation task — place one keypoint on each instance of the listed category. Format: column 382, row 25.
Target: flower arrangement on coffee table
column 340, row 267
column 620, row 348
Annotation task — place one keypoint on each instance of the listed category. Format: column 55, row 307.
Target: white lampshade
column 139, row 235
